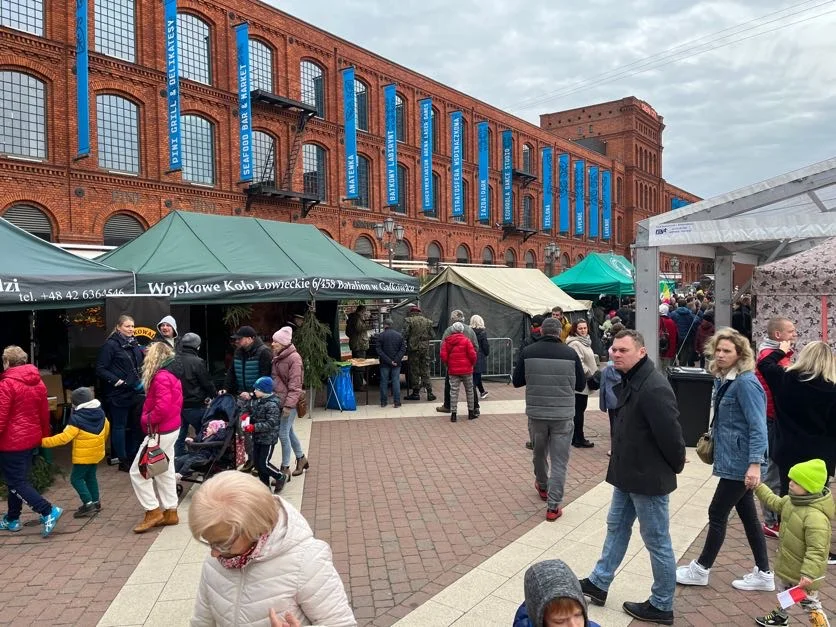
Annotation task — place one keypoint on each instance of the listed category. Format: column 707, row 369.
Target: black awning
column 265, row 97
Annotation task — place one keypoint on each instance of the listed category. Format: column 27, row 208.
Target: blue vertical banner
column 594, row 207
column 547, row 159
column 175, row 157
column 352, row 189
column 456, row 151
column 606, row 205
column 484, row 152
column 245, row 118
column 390, row 100
column 426, row 111
column 580, row 196
column 82, row 78
column 507, row 176
column 563, row 191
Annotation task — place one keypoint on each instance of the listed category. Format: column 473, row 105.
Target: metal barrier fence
column 500, row 362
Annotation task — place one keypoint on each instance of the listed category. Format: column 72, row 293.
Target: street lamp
column 393, row 233
column 552, row 252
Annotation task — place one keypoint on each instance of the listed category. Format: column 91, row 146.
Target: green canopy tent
column 598, row 273
column 199, row 259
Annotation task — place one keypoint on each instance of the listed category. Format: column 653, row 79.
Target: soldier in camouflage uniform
column 357, row 329
column 417, row 332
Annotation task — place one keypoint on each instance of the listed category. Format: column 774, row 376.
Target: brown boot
column 152, row 519
column 301, row 465
column 169, row 518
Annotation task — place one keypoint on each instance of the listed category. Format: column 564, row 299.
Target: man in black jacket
column 648, row 451
column 551, row 373
column 198, row 389
column 391, row 348
column 252, row 360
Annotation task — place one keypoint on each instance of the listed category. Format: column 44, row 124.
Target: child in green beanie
column 805, row 537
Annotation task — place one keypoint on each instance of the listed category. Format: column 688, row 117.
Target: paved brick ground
column 410, row 504
column 71, row 577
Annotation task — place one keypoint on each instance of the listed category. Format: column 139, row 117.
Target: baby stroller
column 222, row 457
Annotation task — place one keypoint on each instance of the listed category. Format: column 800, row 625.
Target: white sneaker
column 756, row 580
column 692, row 575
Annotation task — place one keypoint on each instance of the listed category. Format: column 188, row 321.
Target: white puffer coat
column 294, row 573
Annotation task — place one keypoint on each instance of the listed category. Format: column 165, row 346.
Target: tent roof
column 34, row 274
column 810, row 272
column 598, row 273
column 523, row 289
column 200, row 258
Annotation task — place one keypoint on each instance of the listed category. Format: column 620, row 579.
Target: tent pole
column 206, row 333
column 32, row 337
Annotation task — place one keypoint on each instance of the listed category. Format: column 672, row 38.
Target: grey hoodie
column 549, row 580
column 169, row 320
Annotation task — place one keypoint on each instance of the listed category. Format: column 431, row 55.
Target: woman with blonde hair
column 481, row 367
column 160, row 421
column 739, row 434
column 262, row 540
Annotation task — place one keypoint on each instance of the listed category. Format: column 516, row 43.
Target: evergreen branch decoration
column 310, row 340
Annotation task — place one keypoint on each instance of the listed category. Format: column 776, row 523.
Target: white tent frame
column 770, row 220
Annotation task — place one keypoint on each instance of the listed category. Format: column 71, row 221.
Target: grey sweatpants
column 467, row 380
column 552, row 437
column 772, row 476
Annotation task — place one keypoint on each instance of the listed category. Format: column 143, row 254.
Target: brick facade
column 78, row 196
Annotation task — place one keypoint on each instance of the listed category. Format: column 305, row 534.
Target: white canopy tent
column 757, row 224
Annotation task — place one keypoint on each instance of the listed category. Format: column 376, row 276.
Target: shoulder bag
column 152, row 459
column 705, row 444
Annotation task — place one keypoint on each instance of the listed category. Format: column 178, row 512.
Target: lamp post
column 388, row 233
column 552, row 252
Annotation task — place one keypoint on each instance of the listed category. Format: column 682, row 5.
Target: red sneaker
column 771, row 531
column 553, row 514
column 544, row 494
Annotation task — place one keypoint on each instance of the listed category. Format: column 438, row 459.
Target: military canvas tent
column 34, row 274
column 197, row 258
column 598, row 273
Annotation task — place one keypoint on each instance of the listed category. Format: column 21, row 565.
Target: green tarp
column 598, row 273
column 34, row 274
column 196, row 258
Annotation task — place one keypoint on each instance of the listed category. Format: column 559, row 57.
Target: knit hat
column 264, row 384
column 458, row 327
column 190, row 340
column 810, row 475
column 664, row 309
column 283, row 336
column 80, row 396
column 551, row 326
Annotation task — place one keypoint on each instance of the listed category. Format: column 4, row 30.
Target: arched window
column 363, row 186
column 361, row 105
column 22, row 115
column 530, row 260
column 117, row 129
column 619, row 229
column 618, row 191
column 487, row 256
column 24, row 15
column 30, row 219
column 115, row 29
column 527, row 212
column 121, row 228
column 315, row 170
column 462, row 254
column 261, row 66
column 364, row 247
column 264, row 158
column 400, row 118
column 403, row 190
column 527, row 159
column 434, row 254
column 312, row 84
column 198, row 149
column 510, row 258
column 565, row 262
column 578, row 259
column 193, row 52
column 436, row 210
column 436, row 121
column 402, row 252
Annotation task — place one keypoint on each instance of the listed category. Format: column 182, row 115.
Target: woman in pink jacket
column 287, row 384
column 161, row 419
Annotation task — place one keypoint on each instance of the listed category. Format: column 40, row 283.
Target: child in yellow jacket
column 87, row 429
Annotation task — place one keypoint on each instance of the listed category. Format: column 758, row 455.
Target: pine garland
column 310, row 340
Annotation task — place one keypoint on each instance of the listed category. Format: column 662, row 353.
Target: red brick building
column 124, row 186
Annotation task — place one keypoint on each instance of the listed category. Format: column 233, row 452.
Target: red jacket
column 669, row 326
column 458, row 353
column 24, row 409
column 163, row 404
column 704, row 333
column 770, row 402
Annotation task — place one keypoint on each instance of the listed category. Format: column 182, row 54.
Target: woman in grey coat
column 484, row 349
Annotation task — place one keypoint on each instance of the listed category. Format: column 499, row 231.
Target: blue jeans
column 118, row 426
column 189, row 417
column 390, row 374
column 15, row 467
column 654, row 521
column 287, row 436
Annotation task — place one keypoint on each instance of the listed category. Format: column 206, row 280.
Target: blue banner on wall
column 548, row 187
column 242, row 47
column 484, row 152
column 507, row 176
column 580, row 196
column 426, row 109
column 594, row 207
column 389, row 97
column 606, row 202
column 563, row 191
column 175, row 157
column 82, row 78
column 456, row 146
column 678, row 203
column 352, row 189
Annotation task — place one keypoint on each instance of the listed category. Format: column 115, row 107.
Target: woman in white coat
column 263, row 557
column 579, row 340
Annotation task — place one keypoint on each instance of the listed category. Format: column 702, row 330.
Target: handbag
column 594, row 382
column 152, row 459
column 705, row 443
column 302, row 405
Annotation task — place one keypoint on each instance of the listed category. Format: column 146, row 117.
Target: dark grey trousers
column 552, row 438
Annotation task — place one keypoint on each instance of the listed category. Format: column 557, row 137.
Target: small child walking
column 458, row 352
column 806, row 514
column 87, row 429
column 265, row 417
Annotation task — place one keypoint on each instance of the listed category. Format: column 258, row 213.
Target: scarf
column 239, row 561
column 583, row 339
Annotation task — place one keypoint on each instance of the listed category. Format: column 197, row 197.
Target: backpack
column 664, row 338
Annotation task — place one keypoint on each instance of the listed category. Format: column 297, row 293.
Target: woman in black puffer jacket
column 481, row 367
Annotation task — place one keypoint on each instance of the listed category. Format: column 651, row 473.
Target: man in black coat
column 648, row 451
column 198, row 389
column 391, row 349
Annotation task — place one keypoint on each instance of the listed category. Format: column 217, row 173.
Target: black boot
column 472, row 415
column 453, row 417
column 648, row 612
column 415, row 395
column 430, row 395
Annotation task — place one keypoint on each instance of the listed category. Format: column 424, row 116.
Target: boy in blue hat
column 265, row 416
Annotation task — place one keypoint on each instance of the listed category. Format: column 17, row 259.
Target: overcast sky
column 734, row 115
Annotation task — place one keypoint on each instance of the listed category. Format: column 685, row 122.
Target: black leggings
column 477, row 382
column 733, row 494
column 581, row 401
